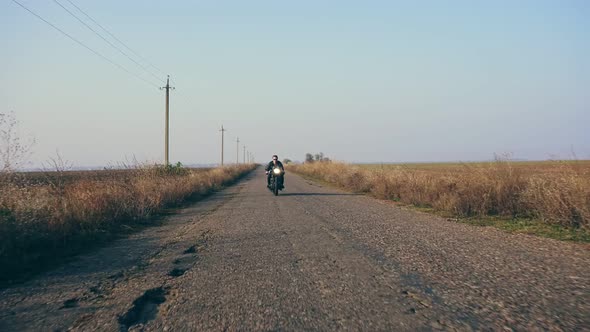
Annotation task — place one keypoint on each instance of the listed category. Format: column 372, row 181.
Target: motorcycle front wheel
column 275, row 186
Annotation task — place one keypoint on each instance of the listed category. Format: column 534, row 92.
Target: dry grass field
column 68, row 176
column 43, row 214
column 555, row 193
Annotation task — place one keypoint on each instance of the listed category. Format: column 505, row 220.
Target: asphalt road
column 314, row 258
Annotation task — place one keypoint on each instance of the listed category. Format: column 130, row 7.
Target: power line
column 187, row 101
column 107, row 41
column 117, row 39
column 84, row 45
column 183, row 98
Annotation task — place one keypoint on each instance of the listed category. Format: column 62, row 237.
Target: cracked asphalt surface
column 314, row 258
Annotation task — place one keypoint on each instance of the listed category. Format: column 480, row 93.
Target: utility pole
column 166, row 131
column 222, row 131
column 237, row 150
column 244, row 154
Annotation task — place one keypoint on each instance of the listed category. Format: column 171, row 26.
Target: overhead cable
column 85, row 46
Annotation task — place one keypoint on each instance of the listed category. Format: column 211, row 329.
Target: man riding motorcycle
column 273, row 164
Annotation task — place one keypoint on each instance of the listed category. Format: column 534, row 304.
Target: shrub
column 42, row 218
column 558, row 193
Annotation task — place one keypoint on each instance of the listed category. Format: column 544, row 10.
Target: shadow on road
column 317, row 194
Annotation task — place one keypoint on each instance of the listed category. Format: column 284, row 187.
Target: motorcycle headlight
column 277, row 171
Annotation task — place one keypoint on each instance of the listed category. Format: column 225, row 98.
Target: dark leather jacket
column 271, row 164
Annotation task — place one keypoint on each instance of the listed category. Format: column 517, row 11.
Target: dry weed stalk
column 40, row 217
column 558, row 193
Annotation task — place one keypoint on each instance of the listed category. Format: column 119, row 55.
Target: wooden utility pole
column 244, row 154
column 222, row 131
column 166, row 131
column 237, row 150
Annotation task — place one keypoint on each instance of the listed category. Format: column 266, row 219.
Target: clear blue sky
column 361, row 81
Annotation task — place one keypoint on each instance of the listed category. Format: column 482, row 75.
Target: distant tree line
column 318, row 157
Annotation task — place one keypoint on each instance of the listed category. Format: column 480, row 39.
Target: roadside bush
column 43, row 218
column 562, row 200
column 557, row 194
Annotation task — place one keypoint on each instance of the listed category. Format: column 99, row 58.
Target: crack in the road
column 184, row 263
column 70, row 303
column 145, row 308
column 191, row 250
column 177, row 272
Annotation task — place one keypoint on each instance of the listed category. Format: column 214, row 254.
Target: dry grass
column 558, row 193
column 62, row 212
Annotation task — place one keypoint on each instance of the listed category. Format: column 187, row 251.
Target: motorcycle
column 276, row 180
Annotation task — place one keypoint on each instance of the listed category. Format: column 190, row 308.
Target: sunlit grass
column 552, row 197
column 43, row 214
